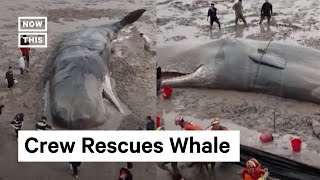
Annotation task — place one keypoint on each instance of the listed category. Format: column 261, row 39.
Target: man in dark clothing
column 42, row 124
column 125, row 173
column 158, row 78
column 25, row 51
column 212, row 12
column 266, row 11
column 74, row 167
column 10, row 78
column 1, row 107
column 17, row 123
column 150, row 124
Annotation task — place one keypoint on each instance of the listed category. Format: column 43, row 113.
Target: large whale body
column 274, row 68
column 80, row 79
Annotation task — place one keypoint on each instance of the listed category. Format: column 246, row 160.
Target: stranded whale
column 79, row 79
column 274, row 68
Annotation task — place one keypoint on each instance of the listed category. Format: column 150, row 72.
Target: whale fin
column 129, row 19
column 268, row 59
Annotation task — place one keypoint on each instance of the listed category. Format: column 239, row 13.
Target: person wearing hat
column 216, row 125
column 212, row 13
column 185, row 125
column 254, row 171
column 147, row 41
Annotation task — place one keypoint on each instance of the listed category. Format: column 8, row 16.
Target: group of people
column 252, row 171
column 24, row 61
column 266, row 12
column 19, row 119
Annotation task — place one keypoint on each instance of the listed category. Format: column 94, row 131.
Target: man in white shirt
column 147, row 41
column 22, row 64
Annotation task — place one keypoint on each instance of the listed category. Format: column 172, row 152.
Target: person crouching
column 42, row 124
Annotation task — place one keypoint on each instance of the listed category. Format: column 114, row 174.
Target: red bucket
column 296, row 144
column 166, row 93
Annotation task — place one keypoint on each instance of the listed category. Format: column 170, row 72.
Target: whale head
column 81, row 92
column 183, row 66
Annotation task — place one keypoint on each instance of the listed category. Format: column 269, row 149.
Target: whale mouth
column 176, row 74
column 109, row 94
column 172, row 74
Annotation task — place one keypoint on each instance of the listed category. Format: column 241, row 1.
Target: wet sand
column 131, row 66
column 184, row 22
column 293, row 21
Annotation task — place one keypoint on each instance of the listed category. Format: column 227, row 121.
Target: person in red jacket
column 25, row 51
column 253, row 170
column 125, row 173
column 215, row 123
column 185, row 125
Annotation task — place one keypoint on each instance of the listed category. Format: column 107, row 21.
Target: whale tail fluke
column 129, row 19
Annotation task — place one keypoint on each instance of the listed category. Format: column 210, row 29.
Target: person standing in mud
column 22, row 64
column 238, row 8
column 74, row 166
column 212, row 13
column 25, row 51
column 147, row 41
column 266, row 11
column 158, row 78
column 10, row 78
column 150, row 123
column 17, row 123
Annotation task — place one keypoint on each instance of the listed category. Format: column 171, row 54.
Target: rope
column 264, row 52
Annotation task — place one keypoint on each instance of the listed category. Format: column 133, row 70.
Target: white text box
column 112, row 146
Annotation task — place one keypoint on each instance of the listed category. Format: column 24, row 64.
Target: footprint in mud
column 186, row 7
column 163, row 21
column 179, row 38
column 163, row 3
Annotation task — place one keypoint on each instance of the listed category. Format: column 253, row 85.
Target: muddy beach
column 184, row 22
column 131, row 66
